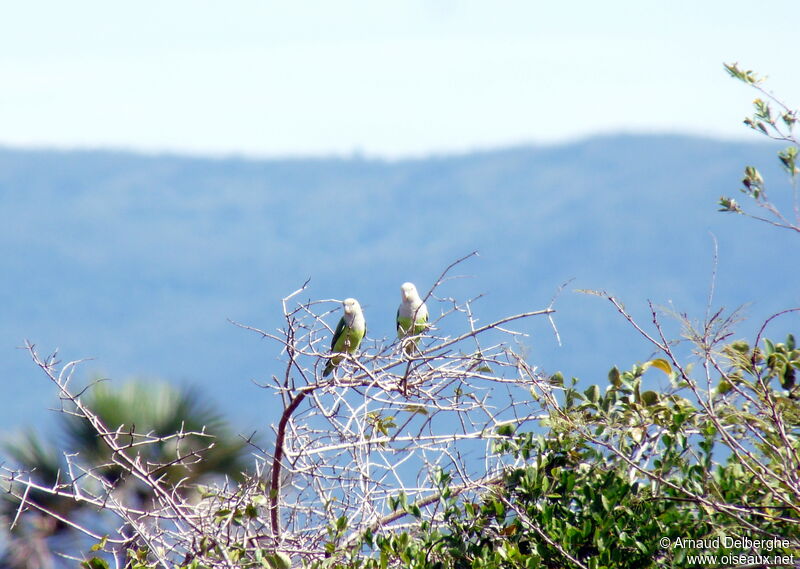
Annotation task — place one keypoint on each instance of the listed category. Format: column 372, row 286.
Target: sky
column 389, row 79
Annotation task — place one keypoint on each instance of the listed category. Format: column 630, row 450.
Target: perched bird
column 412, row 315
column 348, row 335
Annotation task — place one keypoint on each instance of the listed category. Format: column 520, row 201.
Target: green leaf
column 100, row 545
column 658, row 363
column 416, row 409
column 748, row 76
column 505, row 430
column 95, row 563
column 341, row 523
column 613, row 377
column 729, row 205
column 222, row 514
column 763, row 110
column 788, row 158
column 649, row 398
column 278, row 560
column 752, row 181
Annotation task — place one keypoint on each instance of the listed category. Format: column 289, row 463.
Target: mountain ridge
column 140, row 261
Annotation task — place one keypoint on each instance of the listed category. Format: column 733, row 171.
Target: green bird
column 412, row 315
column 349, row 332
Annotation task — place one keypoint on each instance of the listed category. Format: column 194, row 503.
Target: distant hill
column 139, row 260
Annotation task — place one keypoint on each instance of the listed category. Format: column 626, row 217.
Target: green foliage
column 776, row 120
column 620, row 470
column 95, row 563
column 380, row 425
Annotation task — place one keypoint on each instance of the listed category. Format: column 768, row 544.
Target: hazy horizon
column 747, row 137
column 390, row 80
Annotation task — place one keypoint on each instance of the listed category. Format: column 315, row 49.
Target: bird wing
column 337, row 335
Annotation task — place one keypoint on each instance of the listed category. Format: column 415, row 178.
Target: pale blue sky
column 392, row 79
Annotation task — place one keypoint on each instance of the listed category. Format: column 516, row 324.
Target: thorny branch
column 386, row 420
column 346, row 446
column 755, row 417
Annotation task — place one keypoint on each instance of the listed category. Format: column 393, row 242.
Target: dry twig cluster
column 346, row 447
